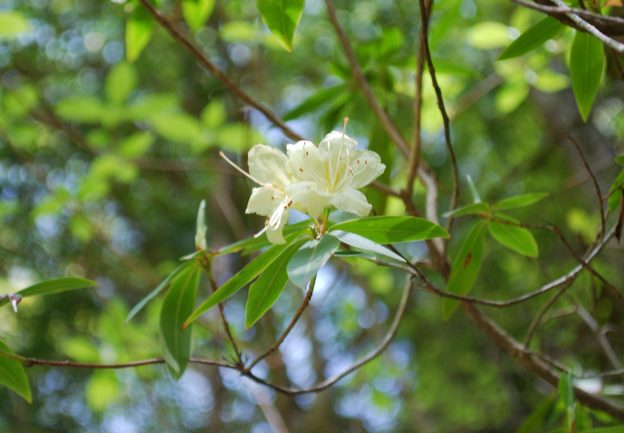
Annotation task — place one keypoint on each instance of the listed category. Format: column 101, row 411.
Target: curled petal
column 351, row 200
column 276, row 223
column 364, row 167
column 264, row 200
column 268, row 165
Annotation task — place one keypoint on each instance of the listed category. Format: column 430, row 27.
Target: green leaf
column 196, row 12
column 566, row 396
column 521, row 200
column 156, row 291
column 306, row 262
column 102, row 390
column 364, row 244
column 245, row 276
column 515, row 238
column 136, row 144
column 282, row 18
column 465, row 268
column 139, row 30
column 52, row 287
column 256, row 243
column 315, row 101
column 180, row 128
column 87, row 109
column 266, row 289
column 120, row 82
column 587, row 63
column 488, row 34
column 532, row 38
column 12, row 24
column 470, row 209
column 392, row 229
column 12, row 374
column 176, row 307
column 619, row 159
column 618, row 429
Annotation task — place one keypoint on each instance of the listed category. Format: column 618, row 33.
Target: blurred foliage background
column 105, row 160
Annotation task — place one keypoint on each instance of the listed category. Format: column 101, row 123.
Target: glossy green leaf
column 392, row 229
column 139, row 30
column 364, row 244
column 515, row 238
column 587, row 61
column 282, row 18
column 120, row 82
column 256, row 243
column 306, row 262
column 176, row 307
column 156, row 291
column 12, row 374
column 470, row 209
column 51, row 287
column 265, row 291
column 465, row 268
column 245, row 276
column 532, row 38
column 518, row 201
column 196, row 12
column 12, row 24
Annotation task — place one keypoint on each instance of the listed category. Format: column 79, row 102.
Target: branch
column 218, row 73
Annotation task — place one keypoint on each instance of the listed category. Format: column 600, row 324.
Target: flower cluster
column 310, row 179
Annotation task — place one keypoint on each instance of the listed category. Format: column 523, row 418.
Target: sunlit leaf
column 136, row 144
column 12, row 24
column 315, row 101
column 532, row 38
column 365, row 244
column 139, row 30
column 196, row 12
column 102, row 390
column 470, row 209
column 282, row 18
column 488, row 34
column 57, row 285
column 176, row 307
column 306, row 262
column 12, row 374
column 518, row 201
column 392, row 229
column 120, row 82
column 265, row 291
column 515, row 238
column 86, row 109
column 587, row 61
column 465, row 268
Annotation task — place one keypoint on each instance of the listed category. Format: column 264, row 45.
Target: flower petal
column 264, row 200
column 351, row 200
column 268, row 165
column 336, row 139
column 364, row 167
column 307, row 198
column 276, row 223
column 306, row 162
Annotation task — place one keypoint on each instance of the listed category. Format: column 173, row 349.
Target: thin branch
column 603, row 221
column 565, row 10
column 602, row 339
column 540, row 315
column 378, row 350
column 387, row 123
column 291, row 325
column 218, row 73
column 589, row 28
column 438, row 91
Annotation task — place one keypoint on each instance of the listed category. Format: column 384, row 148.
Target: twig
column 218, row 73
column 565, row 10
column 378, row 350
column 438, row 91
column 289, row 327
column 602, row 339
column 589, row 28
column 603, row 221
column 540, row 315
column 387, row 123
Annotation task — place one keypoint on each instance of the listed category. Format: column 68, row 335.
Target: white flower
column 269, row 168
column 332, row 173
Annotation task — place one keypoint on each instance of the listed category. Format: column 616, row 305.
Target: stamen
column 229, row 161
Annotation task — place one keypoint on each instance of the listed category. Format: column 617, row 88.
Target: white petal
column 364, row 167
column 337, row 146
column 264, row 200
column 268, row 165
column 307, row 198
column 276, row 223
column 336, row 139
column 351, row 200
column 306, row 162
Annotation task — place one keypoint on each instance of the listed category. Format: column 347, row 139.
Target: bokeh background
column 103, row 164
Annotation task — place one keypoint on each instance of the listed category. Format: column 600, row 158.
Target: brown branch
column 387, row 123
column 378, row 350
column 218, row 73
column 603, row 221
column 289, row 327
